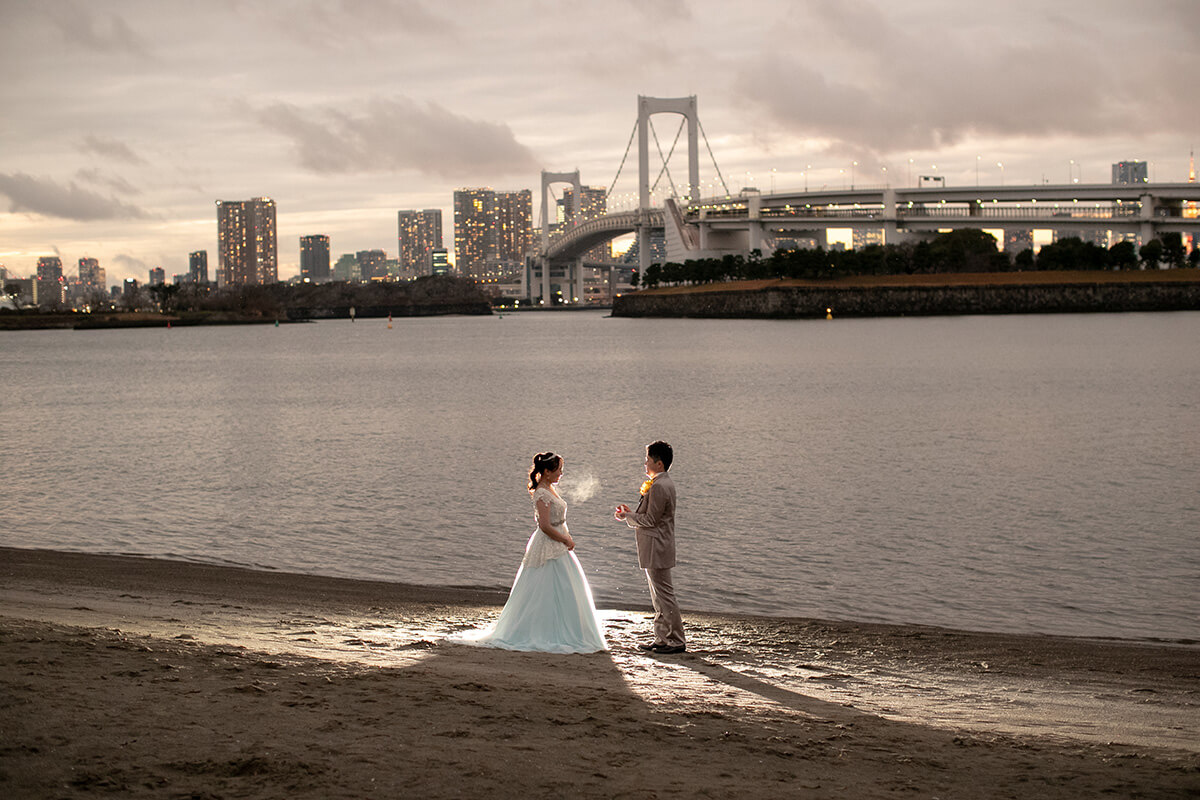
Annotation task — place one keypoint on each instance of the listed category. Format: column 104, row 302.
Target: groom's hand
column 620, row 513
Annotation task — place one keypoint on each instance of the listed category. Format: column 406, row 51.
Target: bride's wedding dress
column 550, row 606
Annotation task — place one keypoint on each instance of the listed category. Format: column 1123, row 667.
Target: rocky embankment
column 783, row 301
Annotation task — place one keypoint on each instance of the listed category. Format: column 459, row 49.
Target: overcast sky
column 124, row 121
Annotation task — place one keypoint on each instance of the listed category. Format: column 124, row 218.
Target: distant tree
column 652, row 277
column 964, row 250
column 673, row 273
column 1194, row 257
column 633, row 279
column 1174, row 253
column 922, row 258
column 1072, row 253
column 1123, row 255
column 164, row 295
column 1024, row 259
column 1151, row 253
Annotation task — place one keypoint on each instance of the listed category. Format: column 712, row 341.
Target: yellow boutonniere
column 646, row 486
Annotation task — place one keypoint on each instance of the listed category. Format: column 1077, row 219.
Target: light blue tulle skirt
column 550, row 609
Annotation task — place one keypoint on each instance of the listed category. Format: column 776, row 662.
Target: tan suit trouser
column 668, row 622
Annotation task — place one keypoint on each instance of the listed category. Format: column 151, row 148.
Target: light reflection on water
column 1026, row 473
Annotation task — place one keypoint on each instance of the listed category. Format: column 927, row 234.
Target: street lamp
column 853, row 165
column 1000, row 164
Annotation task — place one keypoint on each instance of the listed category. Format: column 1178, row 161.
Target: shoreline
column 146, row 676
column 923, row 295
column 482, row 595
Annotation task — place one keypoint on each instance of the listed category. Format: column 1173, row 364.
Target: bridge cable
column 710, row 155
column 674, row 191
column 618, row 175
column 670, row 153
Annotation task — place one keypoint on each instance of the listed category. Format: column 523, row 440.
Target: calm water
column 1027, row 473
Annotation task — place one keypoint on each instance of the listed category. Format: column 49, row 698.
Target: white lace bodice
column 541, row 548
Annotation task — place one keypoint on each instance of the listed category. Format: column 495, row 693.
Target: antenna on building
column 1192, row 165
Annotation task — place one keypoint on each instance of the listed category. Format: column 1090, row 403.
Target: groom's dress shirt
column 654, row 523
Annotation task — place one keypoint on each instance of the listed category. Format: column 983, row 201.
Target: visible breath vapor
column 581, row 488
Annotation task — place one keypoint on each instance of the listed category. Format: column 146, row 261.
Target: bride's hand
column 570, row 543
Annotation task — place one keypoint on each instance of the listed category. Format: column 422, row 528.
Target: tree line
column 274, row 299
column 964, row 250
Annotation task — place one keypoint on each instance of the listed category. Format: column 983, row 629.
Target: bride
column 550, row 606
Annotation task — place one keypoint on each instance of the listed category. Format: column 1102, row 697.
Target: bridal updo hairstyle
column 542, row 463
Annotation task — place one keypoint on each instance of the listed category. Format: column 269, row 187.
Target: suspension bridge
column 697, row 227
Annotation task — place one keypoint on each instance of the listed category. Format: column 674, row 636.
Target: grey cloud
column 112, row 34
column 880, row 88
column 398, row 134
column 110, row 148
column 46, row 197
column 350, row 22
column 131, row 264
column 116, row 183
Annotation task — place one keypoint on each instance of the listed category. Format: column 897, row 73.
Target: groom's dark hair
column 661, row 451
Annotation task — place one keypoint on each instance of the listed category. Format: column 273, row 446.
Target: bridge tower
column 575, row 273
column 648, row 106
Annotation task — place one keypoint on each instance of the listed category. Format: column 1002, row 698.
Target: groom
column 654, row 525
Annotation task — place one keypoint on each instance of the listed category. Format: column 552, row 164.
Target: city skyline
column 126, row 121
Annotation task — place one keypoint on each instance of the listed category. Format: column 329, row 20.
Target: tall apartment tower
column 50, row 285
column 514, row 225
column 492, row 230
column 247, row 248
column 419, row 234
column 372, row 264
column 474, row 215
column 314, row 258
column 1126, row 173
column 593, row 202
column 91, row 274
column 198, row 266
column 158, row 277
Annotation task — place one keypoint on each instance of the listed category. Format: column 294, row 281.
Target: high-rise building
column 91, row 274
column 419, row 233
column 246, row 244
column 372, row 264
column 346, row 268
column 1126, row 173
column 50, row 283
column 474, row 221
column 49, row 268
column 314, row 258
column 593, row 202
column 439, row 261
column 198, row 266
column 492, row 231
column 514, row 225
column 158, row 277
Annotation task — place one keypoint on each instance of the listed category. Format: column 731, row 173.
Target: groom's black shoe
column 650, row 646
column 667, row 649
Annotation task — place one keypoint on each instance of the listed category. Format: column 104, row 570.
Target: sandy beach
column 145, row 678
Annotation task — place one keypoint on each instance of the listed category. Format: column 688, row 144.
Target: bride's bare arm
column 543, row 520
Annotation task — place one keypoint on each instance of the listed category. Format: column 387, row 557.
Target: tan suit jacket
column 654, row 524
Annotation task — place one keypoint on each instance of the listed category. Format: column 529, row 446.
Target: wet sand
column 149, row 678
